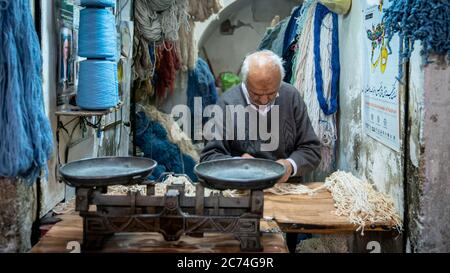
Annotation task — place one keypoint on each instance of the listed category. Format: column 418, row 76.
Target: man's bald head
column 265, row 63
column 262, row 73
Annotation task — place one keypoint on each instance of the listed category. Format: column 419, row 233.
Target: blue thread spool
column 98, row 85
column 98, row 3
column 97, row 37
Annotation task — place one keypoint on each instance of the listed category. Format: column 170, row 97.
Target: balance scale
column 173, row 214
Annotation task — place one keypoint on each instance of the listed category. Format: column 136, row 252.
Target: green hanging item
column 229, row 80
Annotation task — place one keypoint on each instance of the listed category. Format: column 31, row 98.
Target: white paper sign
column 381, row 111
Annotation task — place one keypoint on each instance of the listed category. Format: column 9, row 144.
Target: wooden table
column 311, row 214
column 293, row 214
column 69, row 232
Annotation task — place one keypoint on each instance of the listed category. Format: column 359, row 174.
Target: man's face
column 263, row 86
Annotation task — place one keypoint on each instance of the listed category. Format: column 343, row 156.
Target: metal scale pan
column 240, row 174
column 107, row 171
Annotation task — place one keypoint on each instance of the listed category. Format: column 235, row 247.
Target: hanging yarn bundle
column 152, row 138
column 201, row 10
column 201, row 84
column 158, row 20
column 168, row 65
column 26, row 138
column 187, row 47
column 271, row 40
column 163, row 45
column 174, row 132
column 316, row 72
column 98, row 82
column 427, row 21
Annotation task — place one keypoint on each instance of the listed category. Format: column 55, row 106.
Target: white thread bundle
column 156, row 22
column 187, row 48
column 360, row 202
column 290, row 189
column 303, row 79
column 353, row 198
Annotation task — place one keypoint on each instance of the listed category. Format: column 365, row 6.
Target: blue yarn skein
column 98, row 85
column 98, row 3
column 152, row 139
column 98, row 36
column 26, row 139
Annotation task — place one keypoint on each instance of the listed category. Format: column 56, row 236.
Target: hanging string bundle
column 98, row 82
column 187, row 47
column 26, row 138
column 427, row 21
column 158, row 53
column 201, row 10
column 174, row 132
column 158, row 20
column 316, row 72
column 153, row 140
column 166, row 70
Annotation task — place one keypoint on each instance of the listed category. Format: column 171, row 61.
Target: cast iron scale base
column 173, row 215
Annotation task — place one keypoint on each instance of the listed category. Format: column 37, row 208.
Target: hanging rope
column 168, row 65
column 174, row 132
column 163, row 44
column 201, row 10
column 427, row 21
column 26, row 138
column 160, row 20
column 187, row 47
column 316, row 73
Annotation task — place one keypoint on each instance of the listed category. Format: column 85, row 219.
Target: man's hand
column 289, row 170
column 247, row 156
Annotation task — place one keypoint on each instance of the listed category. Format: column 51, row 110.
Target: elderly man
column 277, row 106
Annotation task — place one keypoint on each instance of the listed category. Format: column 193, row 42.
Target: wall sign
column 381, row 110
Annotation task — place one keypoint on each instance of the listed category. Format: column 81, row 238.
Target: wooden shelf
column 75, row 111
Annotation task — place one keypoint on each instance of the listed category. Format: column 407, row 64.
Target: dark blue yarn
column 291, row 31
column 151, row 138
column 201, row 83
column 321, row 12
column 288, row 58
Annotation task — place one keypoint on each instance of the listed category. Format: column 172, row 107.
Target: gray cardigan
column 297, row 140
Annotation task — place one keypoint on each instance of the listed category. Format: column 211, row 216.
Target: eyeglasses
column 258, row 97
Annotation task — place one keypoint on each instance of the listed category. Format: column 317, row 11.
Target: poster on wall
column 67, row 23
column 381, row 102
